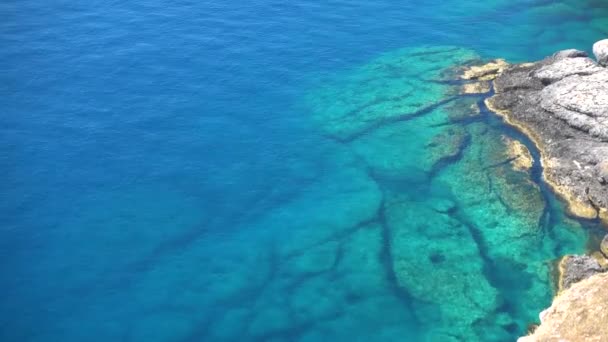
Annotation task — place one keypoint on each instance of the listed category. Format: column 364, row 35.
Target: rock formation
column 518, row 153
column 393, row 87
column 574, row 268
column 578, row 314
column 600, row 50
column 561, row 103
column 604, row 246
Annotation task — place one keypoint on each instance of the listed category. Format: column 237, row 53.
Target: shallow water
column 270, row 171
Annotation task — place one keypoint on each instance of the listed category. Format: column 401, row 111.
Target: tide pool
column 273, row 171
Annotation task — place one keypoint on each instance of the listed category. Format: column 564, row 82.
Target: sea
column 274, row 171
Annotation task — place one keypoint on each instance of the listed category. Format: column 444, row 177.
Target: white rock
column 600, row 50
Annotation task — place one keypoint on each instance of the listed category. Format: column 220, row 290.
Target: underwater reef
column 470, row 233
column 424, row 219
column 561, row 104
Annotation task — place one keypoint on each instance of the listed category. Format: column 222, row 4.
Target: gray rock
column 581, row 101
column 562, row 68
column 576, row 268
column 604, row 246
column 570, row 53
column 562, row 105
column 600, row 50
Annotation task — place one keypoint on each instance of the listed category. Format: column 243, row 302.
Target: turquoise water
column 271, row 171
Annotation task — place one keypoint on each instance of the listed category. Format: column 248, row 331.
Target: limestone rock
column 574, row 268
column 518, row 153
column 600, row 50
column 481, row 87
column 561, row 103
column 580, row 101
column 484, row 72
column 604, row 246
column 578, row 314
column 569, row 53
column 562, row 68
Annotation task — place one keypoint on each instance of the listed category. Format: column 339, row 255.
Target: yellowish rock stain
column 475, row 88
column 485, row 72
column 521, row 158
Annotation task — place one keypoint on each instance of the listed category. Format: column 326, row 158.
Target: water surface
column 271, row 171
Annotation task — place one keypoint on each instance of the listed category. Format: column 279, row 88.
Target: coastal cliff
column 561, row 103
column 578, row 314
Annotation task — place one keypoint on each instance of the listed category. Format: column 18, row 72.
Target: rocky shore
column 578, row 314
column 561, row 104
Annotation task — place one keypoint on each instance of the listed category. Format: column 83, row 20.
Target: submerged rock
column 562, row 105
column 437, row 261
column 578, row 314
column 484, row 72
column 394, row 86
column 443, row 205
column 481, row 87
column 411, row 149
column 499, row 203
column 574, row 268
column 463, row 109
column 520, row 156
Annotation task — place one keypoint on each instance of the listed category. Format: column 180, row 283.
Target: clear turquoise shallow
column 172, row 173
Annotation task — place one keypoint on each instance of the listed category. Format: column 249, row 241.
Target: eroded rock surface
column 578, row 314
column 604, row 246
column 484, row 72
column 574, row 268
column 561, row 103
column 600, row 50
column 520, row 156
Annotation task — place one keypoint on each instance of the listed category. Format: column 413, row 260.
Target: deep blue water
column 143, row 141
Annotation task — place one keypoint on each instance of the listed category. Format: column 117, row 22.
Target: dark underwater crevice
column 444, row 162
column 244, row 298
column 386, row 255
column 386, row 258
column 499, row 273
column 549, row 217
column 337, row 236
column 497, row 194
column 390, row 120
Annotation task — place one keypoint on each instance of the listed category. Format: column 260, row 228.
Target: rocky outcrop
column 561, row 103
column 574, row 268
column 604, row 246
column 519, row 155
column 578, row 314
column 485, row 72
column 600, row 50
